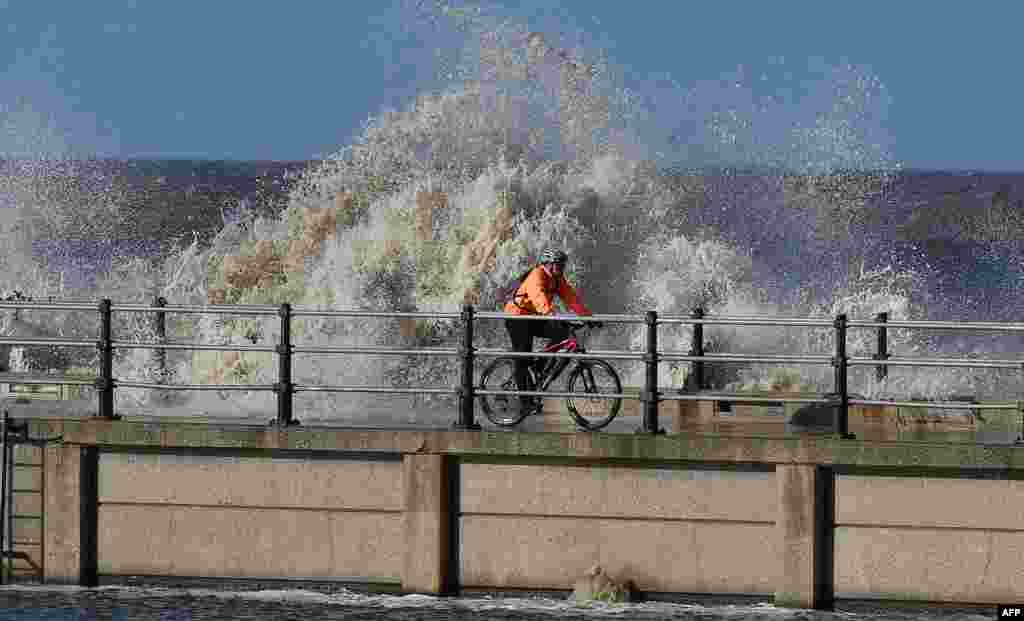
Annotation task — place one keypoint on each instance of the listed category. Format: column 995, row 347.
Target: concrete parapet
column 823, row 450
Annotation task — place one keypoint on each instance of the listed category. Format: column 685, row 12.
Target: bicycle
column 587, row 376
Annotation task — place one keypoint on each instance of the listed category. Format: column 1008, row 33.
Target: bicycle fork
column 587, row 373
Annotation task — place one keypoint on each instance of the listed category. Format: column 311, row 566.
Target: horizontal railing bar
column 223, row 309
column 738, row 398
column 942, row 325
column 939, row 404
column 296, row 312
column 196, row 346
column 374, row 389
column 939, row 362
column 56, row 379
column 55, row 341
column 724, row 357
column 382, row 351
column 502, row 353
column 818, row 357
column 740, row 358
column 745, row 320
column 615, row 355
column 754, row 321
column 49, row 306
column 125, row 384
column 190, row 307
column 575, row 395
column 572, row 318
column 271, row 309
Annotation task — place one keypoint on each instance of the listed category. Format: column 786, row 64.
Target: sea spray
column 542, row 133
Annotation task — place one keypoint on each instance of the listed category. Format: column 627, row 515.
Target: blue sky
column 259, row 80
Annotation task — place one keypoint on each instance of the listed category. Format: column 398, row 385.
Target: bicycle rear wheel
column 595, row 377
column 504, row 410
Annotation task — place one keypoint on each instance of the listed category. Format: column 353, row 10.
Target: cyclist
column 535, row 296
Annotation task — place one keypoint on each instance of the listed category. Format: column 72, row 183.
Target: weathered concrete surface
column 929, row 565
column 672, row 532
column 929, row 501
column 427, row 566
column 62, row 524
column 695, row 446
column 227, row 516
column 249, row 542
column 658, row 555
column 603, row 491
column 251, row 481
column 929, row 538
column 803, row 536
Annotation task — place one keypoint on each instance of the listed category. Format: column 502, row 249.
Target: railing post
column 467, row 396
column 649, row 397
column 840, row 363
column 1020, row 410
column 284, row 387
column 3, row 501
column 160, row 355
column 105, row 381
column 882, row 353
column 697, row 349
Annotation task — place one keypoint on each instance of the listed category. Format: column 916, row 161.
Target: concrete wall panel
column 935, row 565
column 619, row 492
column 701, row 557
column 890, row 501
column 232, row 542
column 247, row 481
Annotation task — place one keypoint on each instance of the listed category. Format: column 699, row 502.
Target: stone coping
column 737, row 448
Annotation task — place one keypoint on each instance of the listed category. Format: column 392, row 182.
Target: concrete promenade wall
column 802, row 518
column 223, row 516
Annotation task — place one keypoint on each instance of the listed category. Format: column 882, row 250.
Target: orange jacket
column 535, row 296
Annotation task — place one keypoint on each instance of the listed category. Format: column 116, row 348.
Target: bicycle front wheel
column 594, row 377
column 503, row 410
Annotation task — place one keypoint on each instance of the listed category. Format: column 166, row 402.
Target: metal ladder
column 21, row 503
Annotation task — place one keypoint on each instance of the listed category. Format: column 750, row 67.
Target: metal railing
column 650, row 395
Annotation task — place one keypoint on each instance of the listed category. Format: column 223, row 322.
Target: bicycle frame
column 570, row 345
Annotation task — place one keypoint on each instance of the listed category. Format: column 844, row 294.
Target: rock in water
column 596, row 585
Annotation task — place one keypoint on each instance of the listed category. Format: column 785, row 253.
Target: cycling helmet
column 554, row 255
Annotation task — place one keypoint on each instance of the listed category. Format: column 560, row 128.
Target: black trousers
column 522, row 333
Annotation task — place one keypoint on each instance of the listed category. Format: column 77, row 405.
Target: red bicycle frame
column 570, row 345
column 551, row 372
